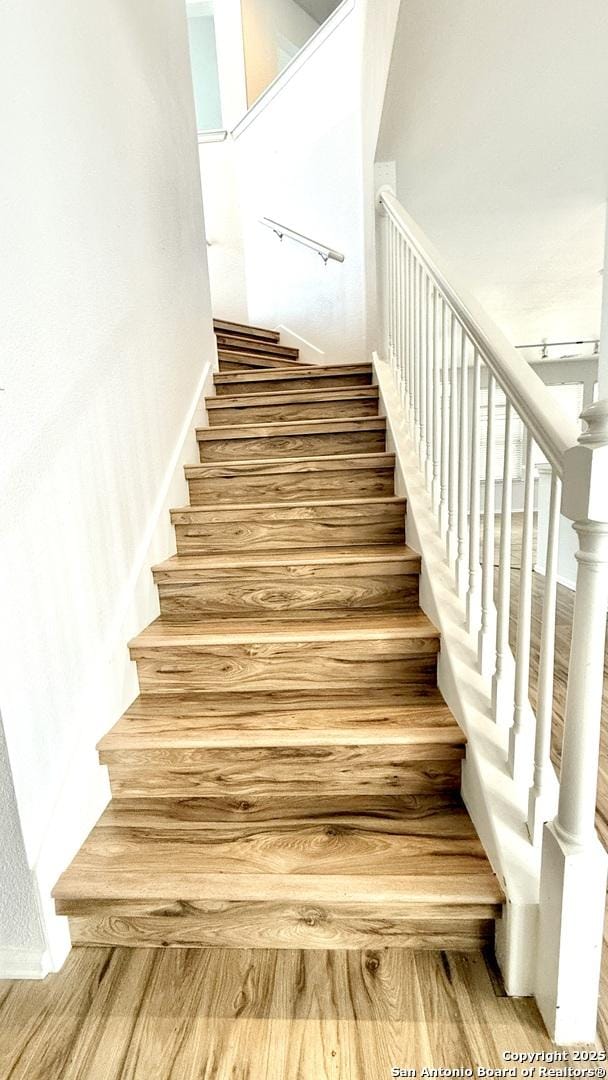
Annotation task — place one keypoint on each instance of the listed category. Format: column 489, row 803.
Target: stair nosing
column 299, row 557
column 310, row 459
column 332, row 394
column 210, row 434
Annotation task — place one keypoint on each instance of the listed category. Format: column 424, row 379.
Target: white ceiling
column 318, row 9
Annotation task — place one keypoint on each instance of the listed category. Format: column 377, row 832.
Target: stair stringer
column 497, row 806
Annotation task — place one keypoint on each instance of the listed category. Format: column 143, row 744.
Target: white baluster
column 423, row 367
column 430, row 383
column 417, row 348
column 437, row 370
column 474, row 504
column 487, row 630
column 520, row 742
column 406, row 329
column 452, row 538
column 399, row 314
column 463, row 471
column 541, row 806
column 445, row 429
column 410, row 335
column 502, row 682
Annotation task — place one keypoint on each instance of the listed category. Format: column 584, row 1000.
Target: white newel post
column 574, row 863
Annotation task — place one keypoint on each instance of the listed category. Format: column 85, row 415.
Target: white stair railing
column 446, row 356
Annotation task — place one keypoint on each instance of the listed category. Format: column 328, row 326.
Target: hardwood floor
column 166, row 1014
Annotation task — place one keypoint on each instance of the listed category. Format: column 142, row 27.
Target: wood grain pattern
column 224, row 326
column 283, row 526
column 281, row 926
column 199, row 721
column 292, row 479
column 333, row 425
column 307, row 444
column 220, row 1014
column 272, row 772
column 318, row 408
column 252, row 344
column 237, row 360
column 274, row 595
column 308, row 379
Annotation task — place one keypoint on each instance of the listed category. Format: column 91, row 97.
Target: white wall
column 106, row 340
column 497, row 116
column 267, row 23
column 299, row 162
column 223, row 217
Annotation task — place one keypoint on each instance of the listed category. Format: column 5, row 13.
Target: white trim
column 215, row 135
column 309, row 353
column 23, row 963
column 314, row 42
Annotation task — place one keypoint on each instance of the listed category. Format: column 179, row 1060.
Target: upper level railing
column 281, row 231
column 463, row 389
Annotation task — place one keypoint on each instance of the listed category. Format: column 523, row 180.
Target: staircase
column 289, row 775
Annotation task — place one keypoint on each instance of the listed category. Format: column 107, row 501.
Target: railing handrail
column 325, row 252
column 552, row 430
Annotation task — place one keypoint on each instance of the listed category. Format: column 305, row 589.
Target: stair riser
column 291, row 487
column 269, row 772
column 282, row 446
column 305, row 410
column 283, row 597
column 313, row 382
column 288, row 665
column 277, row 535
column 250, row 925
column 235, row 343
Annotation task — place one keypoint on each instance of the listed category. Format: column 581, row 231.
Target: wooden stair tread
column 304, row 371
column 305, row 557
column 293, row 397
column 244, row 361
column 363, row 858
column 406, row 626
column 322, row 463
column 181, row 512
column 165, row 726
column 292, row 427
column 221, row 326
column 252, row 344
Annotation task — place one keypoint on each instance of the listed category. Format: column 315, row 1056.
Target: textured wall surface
column 20, row 928
column 104, row 343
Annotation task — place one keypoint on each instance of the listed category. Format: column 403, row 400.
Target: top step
column 260, row 333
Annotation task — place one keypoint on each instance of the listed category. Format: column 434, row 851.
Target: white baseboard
column 309, row 353
column 24, row 963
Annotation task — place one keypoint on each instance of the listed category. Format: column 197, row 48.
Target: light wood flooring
column 164, row 1014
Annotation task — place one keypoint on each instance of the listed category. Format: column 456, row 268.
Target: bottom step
column 347, row 882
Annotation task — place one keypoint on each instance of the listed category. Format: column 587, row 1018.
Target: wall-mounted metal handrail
column 326, row 253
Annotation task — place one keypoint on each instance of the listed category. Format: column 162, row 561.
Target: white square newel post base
column 572, row 900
